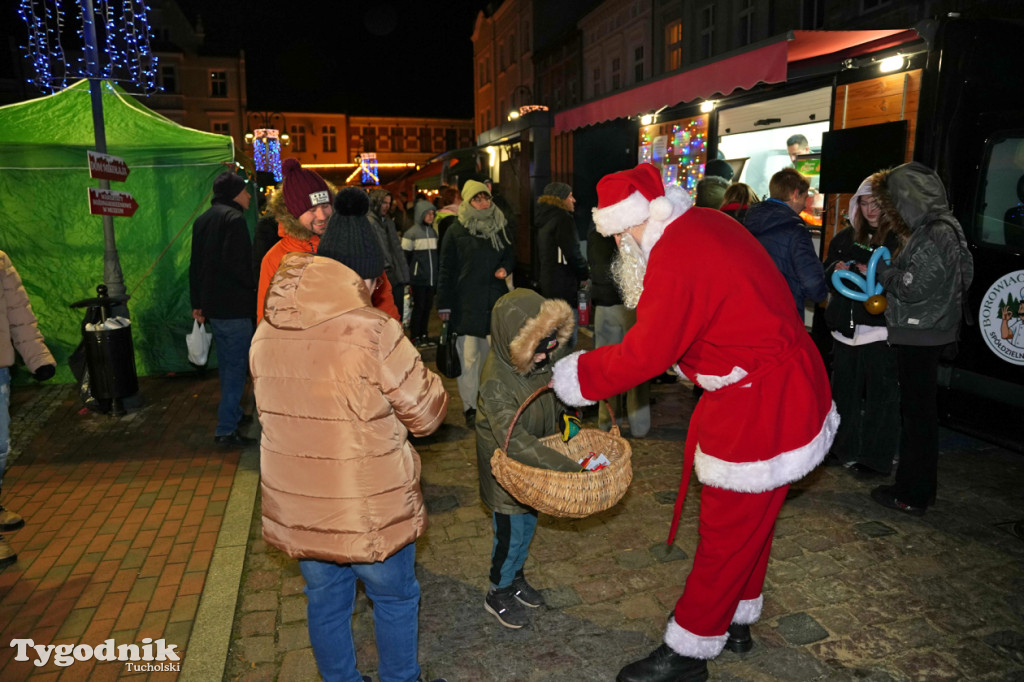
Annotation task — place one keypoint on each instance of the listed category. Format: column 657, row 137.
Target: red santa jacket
column 715, row 303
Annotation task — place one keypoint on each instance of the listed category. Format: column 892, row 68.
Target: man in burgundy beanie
column 709, row 300
column 302, row 208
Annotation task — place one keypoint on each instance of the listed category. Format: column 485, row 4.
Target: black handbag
column 447, row 356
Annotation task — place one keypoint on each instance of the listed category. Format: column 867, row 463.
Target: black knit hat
column 227, row 185
column 349, row 238
column 719, row 168
column 557, row 189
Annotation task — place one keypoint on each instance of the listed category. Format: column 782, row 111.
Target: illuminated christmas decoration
column 368, row 166
column 122, row 31
column 266, row 151
column 678, row 147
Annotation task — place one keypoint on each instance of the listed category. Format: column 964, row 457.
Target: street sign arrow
column 107, row 167
column 109, row 202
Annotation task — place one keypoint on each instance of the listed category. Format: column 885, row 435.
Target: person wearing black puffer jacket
column 562, row 266
column 864, row 382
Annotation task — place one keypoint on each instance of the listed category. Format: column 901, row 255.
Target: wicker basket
column 568, row 494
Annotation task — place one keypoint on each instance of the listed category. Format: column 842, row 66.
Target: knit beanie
column 349, row 238
column 719, row 168
column 472, row 188
column 557, row 189
column 302, row 189
column 227, row 185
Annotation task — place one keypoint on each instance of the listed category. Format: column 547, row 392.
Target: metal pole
column 112, row 275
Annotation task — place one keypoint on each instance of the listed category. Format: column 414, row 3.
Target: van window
column 1001, row 199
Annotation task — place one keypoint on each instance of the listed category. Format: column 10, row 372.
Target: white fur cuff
column 748, row 611
column 566, row 381
column 685, row 643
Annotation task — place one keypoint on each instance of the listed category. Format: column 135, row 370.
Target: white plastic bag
column 198, row 342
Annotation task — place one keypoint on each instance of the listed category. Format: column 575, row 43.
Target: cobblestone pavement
column 854, row 591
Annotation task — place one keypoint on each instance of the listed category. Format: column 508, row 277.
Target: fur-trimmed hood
column 289, row 224
column 910, row 196
column 552, row 200
column 520, row 320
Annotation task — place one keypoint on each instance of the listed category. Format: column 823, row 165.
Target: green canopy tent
column 57, row 246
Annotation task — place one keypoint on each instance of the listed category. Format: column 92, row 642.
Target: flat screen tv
column 848, row 156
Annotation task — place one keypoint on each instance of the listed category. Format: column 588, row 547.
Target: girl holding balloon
column 864, row 376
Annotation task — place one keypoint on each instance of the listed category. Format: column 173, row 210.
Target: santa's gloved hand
column 45, row 372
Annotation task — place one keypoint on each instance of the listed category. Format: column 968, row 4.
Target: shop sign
column 1001, row 317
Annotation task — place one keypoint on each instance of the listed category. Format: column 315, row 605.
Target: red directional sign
column 109, row 202
column 107, row 167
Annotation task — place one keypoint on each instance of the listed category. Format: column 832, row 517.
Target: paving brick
column 184, row 608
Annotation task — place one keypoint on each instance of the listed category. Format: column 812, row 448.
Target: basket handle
column 533, row 396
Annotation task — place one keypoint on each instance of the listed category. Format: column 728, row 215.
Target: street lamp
column 266, row 141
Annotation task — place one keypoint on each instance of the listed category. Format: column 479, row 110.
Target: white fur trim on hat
column 632, row 210
column 663, row 211
column 748, row 611
column 566, row 381
column 685, row 643
column 767, row 474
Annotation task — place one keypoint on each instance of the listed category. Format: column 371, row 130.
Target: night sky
column 379, row 57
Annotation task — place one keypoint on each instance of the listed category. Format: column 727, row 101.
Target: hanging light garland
column 266, row 151
column 122, row 34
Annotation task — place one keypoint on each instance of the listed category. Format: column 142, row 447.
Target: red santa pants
column 736, row 531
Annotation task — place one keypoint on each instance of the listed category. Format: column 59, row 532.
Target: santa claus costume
column 714, row 304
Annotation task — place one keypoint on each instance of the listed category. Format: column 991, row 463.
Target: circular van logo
column 1001, row 317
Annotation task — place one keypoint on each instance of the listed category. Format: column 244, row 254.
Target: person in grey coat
column 925, row 284
column 395, row 265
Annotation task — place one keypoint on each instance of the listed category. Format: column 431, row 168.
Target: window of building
column 502, row 108
column 218, row 84
column 222, row 127
column 616, row 73
column 425, row 140
column 812, row 14
column 707, row 31
column 501, row 56
column 298, row 139
column 330, row 135
column 512, row 53
column 383, row 140
column 597, row 82
column 369, row 135
column 745, row 21
column 397, row 139
column 674, row 45
column 638, row 64
column 438, row 134
column 451, row 139
column 169, row 78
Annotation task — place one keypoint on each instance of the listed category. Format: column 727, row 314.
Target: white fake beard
column 628, row 270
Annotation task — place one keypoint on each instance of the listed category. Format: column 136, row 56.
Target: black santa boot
column 665, row 665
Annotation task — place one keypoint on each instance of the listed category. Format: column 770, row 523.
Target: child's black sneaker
column 502, row 603
column 525, row 593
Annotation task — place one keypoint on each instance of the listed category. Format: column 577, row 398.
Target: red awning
column 768, row 64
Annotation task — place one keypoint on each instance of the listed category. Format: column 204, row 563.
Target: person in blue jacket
column 776, row 223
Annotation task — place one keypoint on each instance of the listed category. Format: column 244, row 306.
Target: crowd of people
column 314, row 311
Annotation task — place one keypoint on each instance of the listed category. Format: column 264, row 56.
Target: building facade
column 503, row 62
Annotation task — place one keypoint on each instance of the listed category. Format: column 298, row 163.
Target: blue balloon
column 868, row 287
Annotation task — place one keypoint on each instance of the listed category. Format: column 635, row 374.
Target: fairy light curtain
column 56, row 34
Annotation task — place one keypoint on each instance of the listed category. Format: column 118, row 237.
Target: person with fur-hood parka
column 925, row 285
column 302, row 207
column 528, row 333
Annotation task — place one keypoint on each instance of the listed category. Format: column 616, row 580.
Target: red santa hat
column 636, row 196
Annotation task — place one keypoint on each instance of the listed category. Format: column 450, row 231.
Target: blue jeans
column 392, row 587
column 233, row 338
column 5, row 419
column 512, row 536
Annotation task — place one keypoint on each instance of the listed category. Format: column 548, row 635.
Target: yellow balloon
column 876, row 305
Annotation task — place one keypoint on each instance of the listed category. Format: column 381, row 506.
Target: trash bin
column 109, row 352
